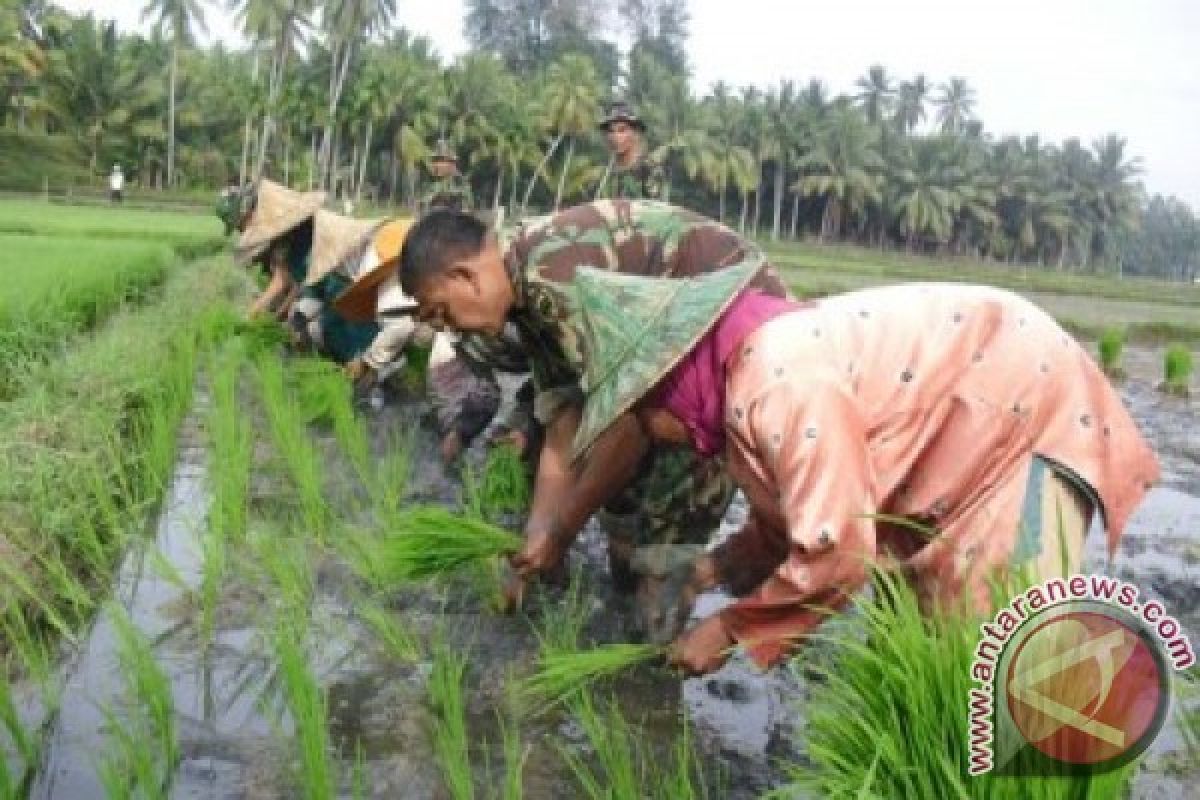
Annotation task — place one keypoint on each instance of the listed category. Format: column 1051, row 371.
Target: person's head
column 454, row 269
column 623, row 131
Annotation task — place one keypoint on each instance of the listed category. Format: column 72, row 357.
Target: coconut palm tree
column 956, row 105
column 910, row 103
column 568, row 104
column 176, row 19
column 877, row 95
column 843, row 168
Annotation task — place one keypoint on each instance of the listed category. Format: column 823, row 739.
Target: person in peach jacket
column 955, row 433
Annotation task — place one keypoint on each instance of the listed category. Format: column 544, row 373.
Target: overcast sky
column 1060, row 68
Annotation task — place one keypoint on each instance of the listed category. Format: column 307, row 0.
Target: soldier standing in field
column 450, row 190
column 631, row 173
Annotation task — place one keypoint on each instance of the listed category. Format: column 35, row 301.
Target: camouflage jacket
column 453, row 192
column 643, row 181
column 637, row 237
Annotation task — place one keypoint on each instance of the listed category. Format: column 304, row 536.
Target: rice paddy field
column 222, row 580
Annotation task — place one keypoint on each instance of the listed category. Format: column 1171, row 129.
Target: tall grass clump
column 1177, row 370
column 306, row 705
column 451, row 744
column 1112, row 347
column 890, row 718
column 293, row 444
column 87, row 448
column 144, row 746
column 429, row 541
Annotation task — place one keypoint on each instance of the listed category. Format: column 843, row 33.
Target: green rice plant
column 561, row 627
column 293, row 444
column 619, row 773
column 501, row 488
column 515, row 755
column 25, row 744
column 306, row 704
column 386, row 483
column 563, row 675
column 1177, row 370
column 890, row 717
column 1111, row 347
column 145, row 749
column 397, row 639
column 451, row 745
column 682, row 778
column 428, row 541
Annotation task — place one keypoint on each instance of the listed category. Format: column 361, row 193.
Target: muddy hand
column 512, row 594
column 702, row 649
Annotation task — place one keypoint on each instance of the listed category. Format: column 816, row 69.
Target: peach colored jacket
column 925, row 401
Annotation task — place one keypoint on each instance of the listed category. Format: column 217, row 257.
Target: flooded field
column 235, row 714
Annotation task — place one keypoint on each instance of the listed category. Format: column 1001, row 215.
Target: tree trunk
column 362, row 171
column 392, row 182
column 562, row 179
column 312, row 161
column 277, row 69
column 780, row 169
column 721, row 199
column 540, row 169
column 285, row 140
column 171, row 114
column 758, row 195
column 795, row 212
column 512, row 191
column 353, row 169
column 327, row 128
column 742, row 220
column 499, row 191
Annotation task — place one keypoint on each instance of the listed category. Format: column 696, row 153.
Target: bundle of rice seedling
column 427, row 541
column 562, row 675
column 505, row 481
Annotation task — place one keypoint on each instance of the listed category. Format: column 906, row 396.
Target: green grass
column 57, row 286
column 306, row 704
column 1177, row 369
column 87, row 448
column 890, row 716
column 286, row 417
column 451, row 743
column 1111, row 347
column 144, row 748
column 23, row 216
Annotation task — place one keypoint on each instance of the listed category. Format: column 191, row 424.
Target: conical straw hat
column 335, row 239
column 636, row 329
column 277, row 210
column 358, row 303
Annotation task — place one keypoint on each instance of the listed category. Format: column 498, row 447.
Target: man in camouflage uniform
column 450, row 190
column 631, row 173
column 467, row 280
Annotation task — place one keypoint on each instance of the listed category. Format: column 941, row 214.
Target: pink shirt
column 925, row 401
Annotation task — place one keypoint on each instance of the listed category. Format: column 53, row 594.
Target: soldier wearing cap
column 450, row 190
column 631, row 173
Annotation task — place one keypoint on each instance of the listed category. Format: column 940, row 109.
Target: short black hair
column 438, row 239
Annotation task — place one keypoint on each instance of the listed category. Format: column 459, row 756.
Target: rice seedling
column 396, row 638
column 430, row 541
column 683, row 776
column 562, row 622
column 619, row 775
column 386, row 483
column 293, row 444
column 888, row 720
column 451, row 745
column 515, row 755
column 501, row 488
column 25, row 745
column 306, row 705
column 1111, row 348
column 1177, row 370
column 563, row 675
column 145, row 749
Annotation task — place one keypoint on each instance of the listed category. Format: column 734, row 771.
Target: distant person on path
column 116, row 184
column 450, row 190
column 630, row 173
column 955, row 434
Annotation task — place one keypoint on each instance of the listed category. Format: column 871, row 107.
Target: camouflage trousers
column 676, row 497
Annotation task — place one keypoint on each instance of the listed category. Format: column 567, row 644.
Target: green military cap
column 620, row 111
column 233, row 203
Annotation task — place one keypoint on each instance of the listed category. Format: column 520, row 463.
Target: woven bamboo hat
column 277, row 211
column 358, row 303
column 336, row 239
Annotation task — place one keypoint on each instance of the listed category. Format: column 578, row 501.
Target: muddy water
column 235, row 735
